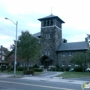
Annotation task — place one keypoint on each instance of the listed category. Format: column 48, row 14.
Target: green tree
column 6, row 51
column 79, row 59
column 28, row 48
column 88, row 56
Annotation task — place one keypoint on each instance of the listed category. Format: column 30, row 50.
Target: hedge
column 38, row 69
column 28, row 72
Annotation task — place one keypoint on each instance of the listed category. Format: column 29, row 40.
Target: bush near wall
column 3, row 68
column 61, row 69
column 31, row 68
column 78, row 69
column 21, row 68
column 67, row 68
column 9, row 68
column 57, row 69
column 28, row 72
column 37, row 69
column 53, row 69
column 35, row 66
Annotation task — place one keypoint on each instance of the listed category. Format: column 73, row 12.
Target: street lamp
column 15, row 61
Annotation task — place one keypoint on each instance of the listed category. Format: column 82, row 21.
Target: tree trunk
column 82, row 67
column 27, row 63
column 27, row 66
column 24, row 68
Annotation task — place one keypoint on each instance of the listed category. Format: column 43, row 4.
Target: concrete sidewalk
column 45, row 77
column 5, row 75
column 54, row 79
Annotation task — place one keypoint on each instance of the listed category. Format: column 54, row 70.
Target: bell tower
column 51, row 35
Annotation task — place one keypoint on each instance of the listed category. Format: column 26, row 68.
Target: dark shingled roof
column 51, row 16
column 73, row 46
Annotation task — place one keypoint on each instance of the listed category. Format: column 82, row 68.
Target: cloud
column 74, row 12
column 77, row 38
column 73, row 34
column 16, row 7
column 6, row 40
column 34, row 25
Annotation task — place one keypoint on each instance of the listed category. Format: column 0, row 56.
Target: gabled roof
column 51, row 16
column 2, row 52
column 73, row 46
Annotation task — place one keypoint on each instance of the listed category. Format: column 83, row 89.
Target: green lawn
column 74, row 74
column 12, row 72
column 19, row 72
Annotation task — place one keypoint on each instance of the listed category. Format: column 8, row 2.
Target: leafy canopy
column 78, row 59
column 28, row 47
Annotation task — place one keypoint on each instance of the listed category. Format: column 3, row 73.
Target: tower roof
column 51, row 16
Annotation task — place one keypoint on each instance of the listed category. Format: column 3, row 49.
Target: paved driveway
column 49, row 74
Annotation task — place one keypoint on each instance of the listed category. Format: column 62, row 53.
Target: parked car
column 71, row 69
column 88, row 70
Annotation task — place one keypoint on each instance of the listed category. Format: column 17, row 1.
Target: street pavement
column 50, row 77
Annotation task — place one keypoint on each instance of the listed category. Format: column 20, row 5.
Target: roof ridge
column 76, row 42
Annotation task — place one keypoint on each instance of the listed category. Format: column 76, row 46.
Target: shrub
column 3, row 68
column 78, row 69
column 9, row 68
column 61, row 68
column 28, row 72
column 53, row 69
column 35, row 66
column 31, row 68
column 38, row 69
column 67, row 68
column 20, row 68
column 57, row 67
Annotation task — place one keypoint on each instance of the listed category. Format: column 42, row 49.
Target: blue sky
column 75, row 13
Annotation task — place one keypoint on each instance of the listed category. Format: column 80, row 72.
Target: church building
column 56, row 50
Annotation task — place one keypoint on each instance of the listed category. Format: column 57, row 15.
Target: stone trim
column 51, row 26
